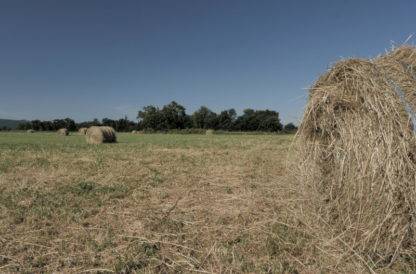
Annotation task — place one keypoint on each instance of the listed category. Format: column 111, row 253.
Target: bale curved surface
column 406, row 55
column 99, row 135
column 357, row 157
column 83, row 130
column 63, row 132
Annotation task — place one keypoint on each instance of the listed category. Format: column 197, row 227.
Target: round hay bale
column 357, row 157
column 209, row 132
column 134, row 131
column 83, row 130
column 99, row 135
column 63, row 132
column 406, row 55
column 30, row 131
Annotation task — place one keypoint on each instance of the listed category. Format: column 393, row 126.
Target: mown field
column 153, row 204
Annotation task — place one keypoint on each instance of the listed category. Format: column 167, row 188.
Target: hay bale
column 134, row 131
column 83, row 130
column 99, row 135
column 357, row 156
column 209, row 132
column 63, row 132
column 406, row 55
column 30, row 131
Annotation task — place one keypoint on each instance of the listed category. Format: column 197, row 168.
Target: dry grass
column 99, row 135
column 357, row 148
column 63, row 132
column 83, row 130
column 155, row 204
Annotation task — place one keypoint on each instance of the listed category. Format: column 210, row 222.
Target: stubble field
column 153, row 204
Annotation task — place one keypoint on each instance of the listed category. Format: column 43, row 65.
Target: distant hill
column 11, row 123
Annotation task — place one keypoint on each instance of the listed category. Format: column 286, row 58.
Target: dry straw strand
column 357, row 149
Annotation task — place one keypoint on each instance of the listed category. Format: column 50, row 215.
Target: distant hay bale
column 83, row 130
column 63, row 132
column 209, row 132
column 99, row 135
column 30, row 131
column 134, row 131
column 357, row 154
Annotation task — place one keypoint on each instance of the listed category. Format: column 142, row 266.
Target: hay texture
column 83, row 130
column 209, row 132
column 99, row 135
column 357, row 155
column 30, row 131
column 63, row 132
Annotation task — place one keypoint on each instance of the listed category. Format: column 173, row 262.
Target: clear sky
column 88, row 59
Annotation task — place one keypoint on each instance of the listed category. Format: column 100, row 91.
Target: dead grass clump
column 357, row 149
column 209, row 132
column 63, row 132
column 406, row 55
column 99, row 135
column 30, row 131
column 83, row 130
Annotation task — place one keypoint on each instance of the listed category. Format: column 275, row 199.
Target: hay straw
column 63, row 132
column 99, row 135
column 357, row 148
column 83, row 130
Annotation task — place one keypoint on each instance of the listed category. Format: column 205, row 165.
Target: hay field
column 157, row 204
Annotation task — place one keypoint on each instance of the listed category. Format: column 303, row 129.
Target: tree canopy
column 173, row 116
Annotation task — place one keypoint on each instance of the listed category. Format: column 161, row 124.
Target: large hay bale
column 357, row 149
column 99, row 135
column 406, row 55
column 30, row 131
column 209, row 132
column 83, row 130
column 134, row 131
column 63, row 132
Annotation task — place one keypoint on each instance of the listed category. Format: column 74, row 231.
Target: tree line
column 173, row 116
column 121, row 125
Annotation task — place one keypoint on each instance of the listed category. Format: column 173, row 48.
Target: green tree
column 36, row 124
column 58, row 123
column 247, row 121
column 290, row 128
column 268, row 121
column 70, row 124
column 204, row 118
column 109, row 123
column 259, row 120
column 174, row 116
column 226, row 119
column 87, row 124
column 151, row 118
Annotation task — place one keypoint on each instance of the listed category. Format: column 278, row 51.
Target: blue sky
column 93, row 59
